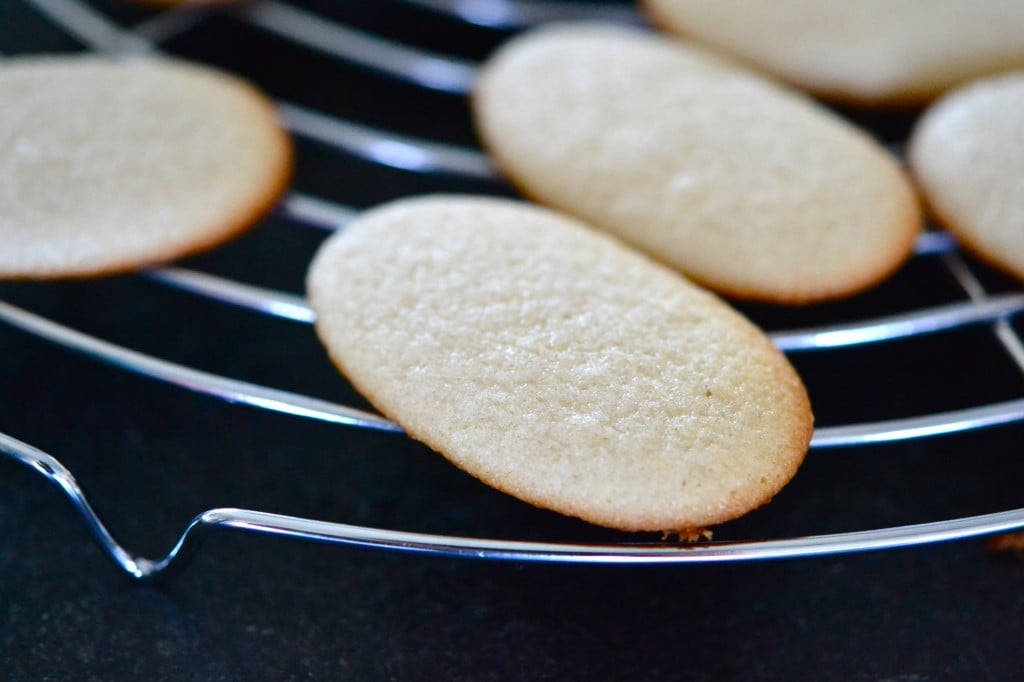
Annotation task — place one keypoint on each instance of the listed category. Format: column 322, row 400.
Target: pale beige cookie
column 557, row 365
column 744, row 186
column 108, row 166
column 868, row 52
column 967, row 153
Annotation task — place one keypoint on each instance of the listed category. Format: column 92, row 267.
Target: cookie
column 744, row 186
column 558, row 365
column 108, row 166
column 870, row 52
column 967, row 153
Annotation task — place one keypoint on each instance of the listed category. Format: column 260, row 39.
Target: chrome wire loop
column 280, row 525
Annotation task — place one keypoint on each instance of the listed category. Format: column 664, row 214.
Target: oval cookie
column 108, row 166
column 967, row 153
column 557, row 365
column 867, row 52
column 747, row 188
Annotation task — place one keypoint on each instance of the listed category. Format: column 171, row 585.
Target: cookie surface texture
column 869, row 52
column 968, row 155
column 747, row 188
column 108, row 166
column 557, row 365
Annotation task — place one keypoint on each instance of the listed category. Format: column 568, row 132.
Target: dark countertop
column 247, row 607
column 253, row 608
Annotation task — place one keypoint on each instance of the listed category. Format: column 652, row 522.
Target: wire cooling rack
column 404, row 53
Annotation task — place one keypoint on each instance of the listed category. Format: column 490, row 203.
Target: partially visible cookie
column 108, row 166
column 967, row 153
column 868, row 52
column 744, row 186
column 557, row 365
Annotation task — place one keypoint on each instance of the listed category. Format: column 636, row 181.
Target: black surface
column 247, row 607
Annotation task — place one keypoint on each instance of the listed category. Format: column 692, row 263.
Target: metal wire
column 904, row 325
column 387, row 149
column 510, row 14
column 229, row 390
column 437, row 72
column 384, row 147
column 280, row 525
column 235, row 391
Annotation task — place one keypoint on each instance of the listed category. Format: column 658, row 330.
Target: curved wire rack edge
column 280, row 525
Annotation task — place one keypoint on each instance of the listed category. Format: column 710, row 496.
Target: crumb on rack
column 1008, row 542
column 687, row 535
